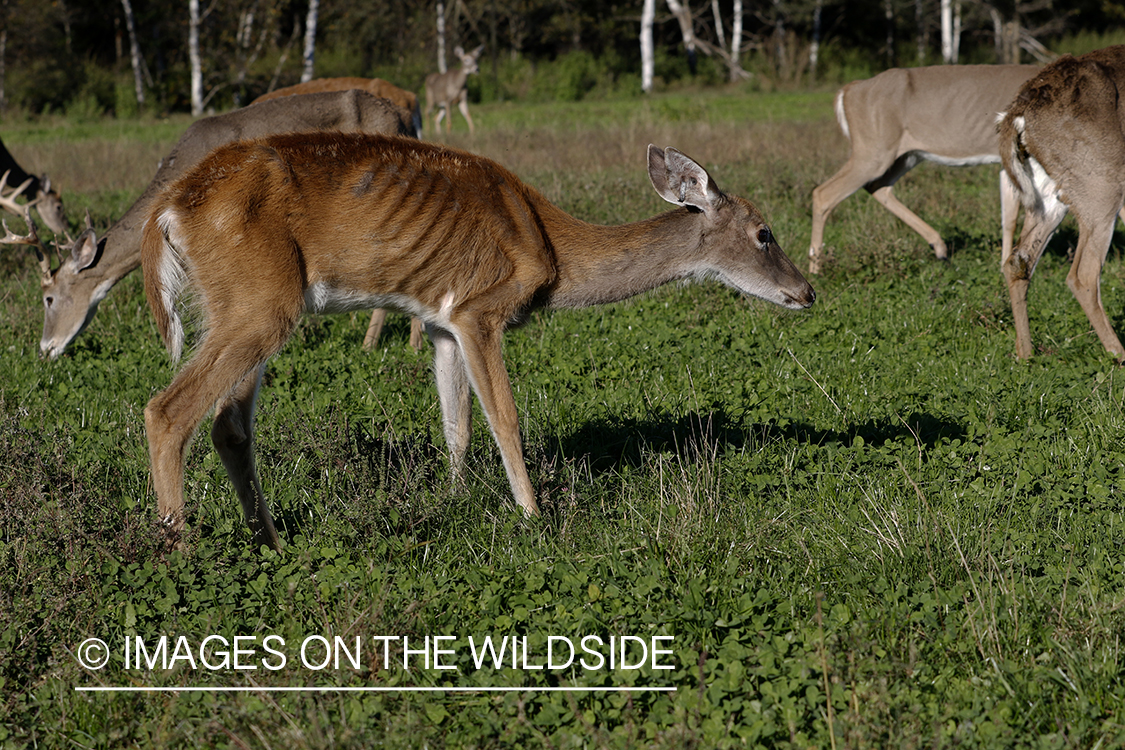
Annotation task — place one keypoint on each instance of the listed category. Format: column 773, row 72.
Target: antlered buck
column 263, row 231
column 91, row 266
column 37, row 189
column 1062, row 141
column 443, row 90
column 904, row 116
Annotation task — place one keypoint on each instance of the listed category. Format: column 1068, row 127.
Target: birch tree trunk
column 648, row 13
column 196, row 60
column 310, row 41
column 683, row 15
column 956, row 31
column 736, row 36
column 441, row 64
column 134, row 52
column 814, row 48
column 947, row 31
column 718, row 23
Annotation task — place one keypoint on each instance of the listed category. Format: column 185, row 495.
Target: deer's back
column 375, row 215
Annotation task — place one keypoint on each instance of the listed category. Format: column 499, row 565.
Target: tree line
column 121, row 56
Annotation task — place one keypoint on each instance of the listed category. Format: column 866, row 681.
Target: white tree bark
column 947, row 31
column 683, row 15
column 195, row 58
column 814, row 47
column 648, row 14
column 310, row 41
column 718, row 23
column 441, row 64
column 956, row 31
column 134, row 52
column 736, row 34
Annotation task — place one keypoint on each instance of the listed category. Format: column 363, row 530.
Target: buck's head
column 70, row 298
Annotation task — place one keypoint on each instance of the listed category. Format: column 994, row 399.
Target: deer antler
column 9, row 201
column 31, row 238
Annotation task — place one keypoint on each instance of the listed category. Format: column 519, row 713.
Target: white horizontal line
column 331, row 689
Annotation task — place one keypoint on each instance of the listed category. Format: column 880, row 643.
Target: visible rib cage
column 265, row 230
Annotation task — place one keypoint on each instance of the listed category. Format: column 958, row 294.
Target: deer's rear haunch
column 264, row 230
column 1062, row 143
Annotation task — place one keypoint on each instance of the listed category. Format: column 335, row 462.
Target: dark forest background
column 73, row 56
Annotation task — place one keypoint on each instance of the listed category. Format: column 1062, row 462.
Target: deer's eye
column 765, row 236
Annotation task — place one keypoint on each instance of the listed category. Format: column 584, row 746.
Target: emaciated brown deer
column 92, row 265
column 48, row 204
column 263, row 231
column 1062, row 141
column 408, row 100
column 443, row 90
column 904, row 116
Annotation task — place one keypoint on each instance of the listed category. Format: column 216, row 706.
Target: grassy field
column 865, row 525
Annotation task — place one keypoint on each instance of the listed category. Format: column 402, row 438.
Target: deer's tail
column 165, row 277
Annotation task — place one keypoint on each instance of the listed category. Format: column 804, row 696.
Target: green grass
column 866, row 525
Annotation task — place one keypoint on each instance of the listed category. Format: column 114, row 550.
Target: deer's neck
column 600, row 264
column 121, row 245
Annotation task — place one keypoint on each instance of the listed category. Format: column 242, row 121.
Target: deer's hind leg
column 225, row 371
column 232, row 433
column 1095, row 232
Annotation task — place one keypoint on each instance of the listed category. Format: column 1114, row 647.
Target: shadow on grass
column 607, row 445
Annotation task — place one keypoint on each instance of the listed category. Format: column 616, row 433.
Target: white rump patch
column 173, row 279
column 1045, row 191
column 842, row 118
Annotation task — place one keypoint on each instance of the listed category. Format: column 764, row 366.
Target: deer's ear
column 680, row 180
column 85, row 250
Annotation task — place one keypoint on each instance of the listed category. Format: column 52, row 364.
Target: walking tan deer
column 443, row 90
column 408, row 100
column 904, row 116
column 92, row 265
column 1062, row 142
column 38, row 191
column 263, row 231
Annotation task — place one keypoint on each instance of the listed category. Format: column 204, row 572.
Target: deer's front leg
column 453, row 395
column 489, row 377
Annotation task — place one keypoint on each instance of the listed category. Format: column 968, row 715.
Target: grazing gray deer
column 904, row 116
column 48, row 204
column 92, row 265
column 445, row 235
column 408, row 100
column 1062, row 142
column 443, row 90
